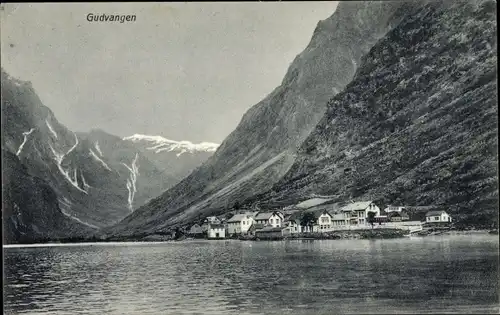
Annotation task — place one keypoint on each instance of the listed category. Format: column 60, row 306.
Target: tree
column 371, row 217
column 307, row 219
column 237, row 205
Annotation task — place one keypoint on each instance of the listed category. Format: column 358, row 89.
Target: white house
column 340, row 220
column 274, row 219
column 240, row 223
column 294, row 226
column 357, row 212
column 208, row 221
column 216, row 231
column 394, row 209
column 323, row 221
column 292, row 221
column 437, row 216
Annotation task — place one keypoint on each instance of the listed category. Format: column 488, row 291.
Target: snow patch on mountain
column 97, row 158
column 85, row 185
column 134, row 171
column 159, row 144
column 98, row 148
column 50, row 128
column 25, row 134
column 59, row 157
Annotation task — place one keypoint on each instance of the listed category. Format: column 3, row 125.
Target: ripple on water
column 356, row 276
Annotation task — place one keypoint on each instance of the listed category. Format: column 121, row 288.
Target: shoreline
column 337, row 235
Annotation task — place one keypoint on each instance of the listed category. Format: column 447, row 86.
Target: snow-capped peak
column 160, row 144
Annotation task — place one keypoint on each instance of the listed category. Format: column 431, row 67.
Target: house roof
column 212, row 218
column 394, row 214
column 240, row 216
column 312, row 202
column 338, row 216
column 360, row 205
column 270, row 229
column 196, row 228
column 256, row 226
column 265, row 215
column 435, row 212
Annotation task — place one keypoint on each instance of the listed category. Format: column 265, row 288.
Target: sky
column 185, row 71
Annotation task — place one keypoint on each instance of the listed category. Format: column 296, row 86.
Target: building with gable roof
column 437, row 216
column 240, row 223
column 274, row 219
column 216, row 231
column 357, row 212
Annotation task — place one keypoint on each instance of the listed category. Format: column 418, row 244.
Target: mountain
column 177, row 158
column 96, row 178
column 30, row 209
column 259, row 152
column 418, row 123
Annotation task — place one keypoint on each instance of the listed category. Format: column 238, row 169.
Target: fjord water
column 457, row 274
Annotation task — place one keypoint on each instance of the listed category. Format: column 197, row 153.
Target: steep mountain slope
column 418, row 123
column 30, row 210
column 98, row 178
column 262, row 148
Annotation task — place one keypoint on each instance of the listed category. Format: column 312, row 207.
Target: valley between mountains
column 391, row 101
column 58, row 183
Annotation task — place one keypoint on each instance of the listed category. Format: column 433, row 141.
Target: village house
column 222, row 219
column 437, row 216
column 255, row 226
column 340, row 220
column 292, row 221
column 216, row 231
column 270, row 232
column 389, row 209
column 240, row 223
column 395, row 216
column 208, row 221
column 293, row 214
column 274, row 219
column 212, row 219
column 195, row 231
column 323, row 221
column 357, row 212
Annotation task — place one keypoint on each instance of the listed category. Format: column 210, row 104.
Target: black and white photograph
column 254, row 157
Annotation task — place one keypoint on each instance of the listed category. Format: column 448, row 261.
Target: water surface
column 443, row 274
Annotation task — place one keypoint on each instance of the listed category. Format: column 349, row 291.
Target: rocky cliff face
column 96, row 178
column 30, row 210
column 263, row 146
column 418, row 123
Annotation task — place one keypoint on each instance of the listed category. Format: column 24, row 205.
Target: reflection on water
column 418, row 275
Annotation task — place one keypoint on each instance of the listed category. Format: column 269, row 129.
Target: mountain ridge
column 262, row 147
column 96, row 178
column 417, row 123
